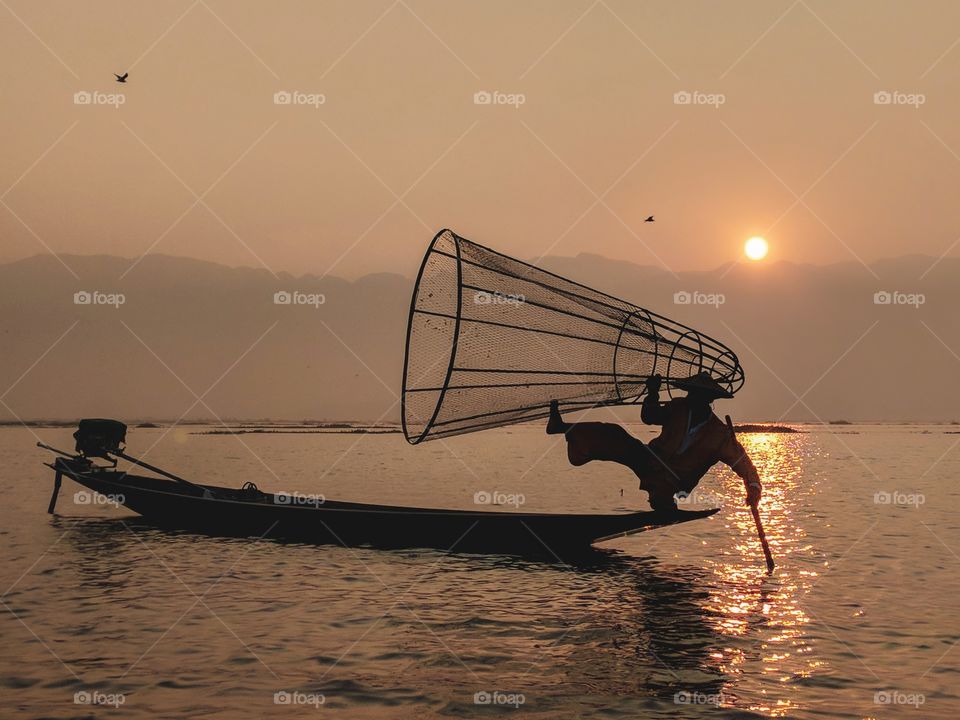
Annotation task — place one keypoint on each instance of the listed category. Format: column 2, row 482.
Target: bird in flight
column 121, row 78
column 650, row 219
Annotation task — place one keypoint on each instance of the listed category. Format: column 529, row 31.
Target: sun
column 756, row 248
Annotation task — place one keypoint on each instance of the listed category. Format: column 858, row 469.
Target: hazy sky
column 399, row 148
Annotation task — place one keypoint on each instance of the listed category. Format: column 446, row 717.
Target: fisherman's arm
column 735, row 456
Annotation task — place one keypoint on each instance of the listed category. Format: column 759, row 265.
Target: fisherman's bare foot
column 556, row 425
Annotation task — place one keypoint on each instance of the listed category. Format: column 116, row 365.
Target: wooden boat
column 171, row 501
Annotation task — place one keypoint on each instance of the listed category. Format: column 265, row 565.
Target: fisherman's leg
column 607, row 441
column 556, row 425
column 600, row 441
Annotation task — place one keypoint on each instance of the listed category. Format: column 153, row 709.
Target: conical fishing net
column 492, row 340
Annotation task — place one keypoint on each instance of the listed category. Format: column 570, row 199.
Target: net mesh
column 492, row 340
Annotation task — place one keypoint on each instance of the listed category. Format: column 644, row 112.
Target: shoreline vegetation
column 759, row 428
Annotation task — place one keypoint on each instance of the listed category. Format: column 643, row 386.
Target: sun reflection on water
column 763, row 616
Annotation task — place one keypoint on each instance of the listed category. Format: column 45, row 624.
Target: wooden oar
column 755, row 511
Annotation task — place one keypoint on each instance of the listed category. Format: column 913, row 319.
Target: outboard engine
column 99, row 437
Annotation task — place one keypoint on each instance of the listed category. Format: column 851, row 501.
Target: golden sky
column 384, row 141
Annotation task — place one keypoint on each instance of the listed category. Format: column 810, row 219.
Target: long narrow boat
column 174, row 502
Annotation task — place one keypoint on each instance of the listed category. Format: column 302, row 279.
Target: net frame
column 679, row 349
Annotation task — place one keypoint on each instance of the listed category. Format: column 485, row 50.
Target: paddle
column 756, row 515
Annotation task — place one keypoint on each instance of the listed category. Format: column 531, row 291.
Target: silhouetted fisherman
column 692, row 441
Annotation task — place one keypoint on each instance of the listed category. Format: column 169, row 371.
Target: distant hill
column 190, row 324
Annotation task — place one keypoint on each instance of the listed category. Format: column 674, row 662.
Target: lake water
column 860, row 618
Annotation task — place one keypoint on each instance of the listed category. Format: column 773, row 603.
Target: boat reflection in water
column 606, row 630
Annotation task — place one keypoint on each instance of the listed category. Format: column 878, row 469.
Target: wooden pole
column 755, row 511
column 57, row 480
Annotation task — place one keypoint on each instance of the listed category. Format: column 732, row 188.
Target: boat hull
column 225, row 511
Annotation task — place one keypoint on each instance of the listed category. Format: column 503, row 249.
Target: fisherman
column 692, row 441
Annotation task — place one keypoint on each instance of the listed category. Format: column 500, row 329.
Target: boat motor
column 98, row 438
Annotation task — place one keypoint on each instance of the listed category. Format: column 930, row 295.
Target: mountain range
column 178, row 337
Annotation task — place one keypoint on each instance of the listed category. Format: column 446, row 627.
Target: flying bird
column 650, row 219
column 121, row 78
